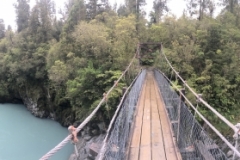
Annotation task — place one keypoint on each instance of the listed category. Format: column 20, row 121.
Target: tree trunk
column 137, row 15
column 231, row 6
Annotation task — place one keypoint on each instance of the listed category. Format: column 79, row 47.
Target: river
column 25, row 137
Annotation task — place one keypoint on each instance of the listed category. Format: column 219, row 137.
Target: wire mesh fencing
column 192, row 140
column 116, row 145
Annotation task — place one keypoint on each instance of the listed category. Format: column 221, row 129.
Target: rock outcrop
column 34, row 99
column 90, row 142
column 87, row 148
column 32, row 106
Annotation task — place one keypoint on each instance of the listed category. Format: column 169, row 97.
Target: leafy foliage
column 66, row 65
column 206, row 55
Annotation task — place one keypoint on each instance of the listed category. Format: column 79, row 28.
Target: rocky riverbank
column 87, row 148
column 90, row 141
column 42, row 101
column 229, row 152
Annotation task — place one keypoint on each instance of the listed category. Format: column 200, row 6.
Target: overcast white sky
column 7, row 11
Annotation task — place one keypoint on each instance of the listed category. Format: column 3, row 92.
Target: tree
column 57, row 28
column 138, row 12
column 46, row 16
column 2, row 29
column 230, row 5
column 122, row 10
column 191, row 7
column 125, row 38
column 66, row 10
column 211, row 7
column 233, row 7
column 94, row 7
column 9, row 35
column 159, row 7
column 58, row 72
column 93, row 42
column 134, row 6
column 200, row 8
column 22, row 12
column 91, row 9
column 34, row 22
column 77, row 13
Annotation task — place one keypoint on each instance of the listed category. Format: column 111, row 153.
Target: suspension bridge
column 155, row 120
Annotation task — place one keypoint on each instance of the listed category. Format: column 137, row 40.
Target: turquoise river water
column 25, row 137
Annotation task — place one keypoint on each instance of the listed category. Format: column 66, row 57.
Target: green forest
column 62, row 66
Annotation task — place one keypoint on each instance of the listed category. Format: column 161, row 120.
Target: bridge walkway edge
column 151, row 132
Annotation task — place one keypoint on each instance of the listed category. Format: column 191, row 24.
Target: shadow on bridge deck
column 151, row 133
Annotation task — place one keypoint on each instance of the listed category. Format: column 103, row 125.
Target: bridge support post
column 182, row 91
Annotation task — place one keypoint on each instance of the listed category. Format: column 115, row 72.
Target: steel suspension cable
column 103, row 148
column 235, row 129
column 80, row 127
column 204, row 119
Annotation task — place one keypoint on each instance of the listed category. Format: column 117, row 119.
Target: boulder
column 72, row 157
column 95, row 132
column 230, row 153
column 101, row 127
column 87, row 137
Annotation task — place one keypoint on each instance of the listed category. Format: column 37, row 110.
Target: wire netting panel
column 117, row 143
column 192, row 140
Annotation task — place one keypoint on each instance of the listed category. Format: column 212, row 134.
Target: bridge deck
column 151, row 137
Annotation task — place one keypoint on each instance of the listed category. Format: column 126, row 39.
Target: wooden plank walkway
column 151, row 135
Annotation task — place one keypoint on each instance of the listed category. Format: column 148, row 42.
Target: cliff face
column 42, row 102
column 33, row 107
column 35, row 97
column 32, row 97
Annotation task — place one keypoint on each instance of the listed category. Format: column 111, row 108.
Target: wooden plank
column 145, row 153
column 151, row 137
column 158, row 150
column 136, row 136
column 204, row 151
column 145, row 150
column 137, row 129
column 134, row 153
column 168, row 142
